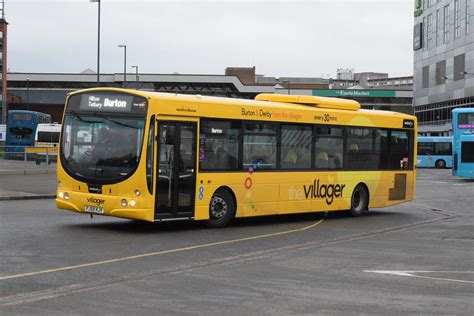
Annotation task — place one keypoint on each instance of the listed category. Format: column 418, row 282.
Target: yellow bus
column 155, row 156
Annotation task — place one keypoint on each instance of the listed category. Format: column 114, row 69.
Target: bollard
column 47, row 156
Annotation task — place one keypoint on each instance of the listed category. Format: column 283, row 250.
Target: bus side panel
column 425, row 161
column 333, row 191
column 269, row 193
column 256, row 194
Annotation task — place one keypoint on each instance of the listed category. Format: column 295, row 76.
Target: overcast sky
column 280, row 38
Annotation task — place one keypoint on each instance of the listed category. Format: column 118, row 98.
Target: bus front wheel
column 359, row 200
column 440, row 164
column 221, row 209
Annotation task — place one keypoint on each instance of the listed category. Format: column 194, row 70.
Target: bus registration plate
column 94, row 209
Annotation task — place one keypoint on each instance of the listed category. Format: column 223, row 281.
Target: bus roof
column 463, row 110
column 26, row 111
column 435, row 139
column 48, row 127
column 308, row 108
column 320, row 102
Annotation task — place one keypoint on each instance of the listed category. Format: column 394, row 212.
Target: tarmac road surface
column 413, row 258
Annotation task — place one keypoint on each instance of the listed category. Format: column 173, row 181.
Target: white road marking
column 414, row 275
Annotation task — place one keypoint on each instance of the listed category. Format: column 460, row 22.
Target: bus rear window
column 467, row 152
column 466, row 120
column 22, row 116
column 21, row 132
column 48, row 137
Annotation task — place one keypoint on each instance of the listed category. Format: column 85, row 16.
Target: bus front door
column 176, row 170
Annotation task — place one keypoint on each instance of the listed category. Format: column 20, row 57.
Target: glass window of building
column 467, row 16
column 446, row 24
column 440, row 72
column 437, row 28
column 459, row 65
column 425, row 76
column 425, row 34
column 457, row 16
column 429, row 42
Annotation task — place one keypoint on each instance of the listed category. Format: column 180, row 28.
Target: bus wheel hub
column 218, row 207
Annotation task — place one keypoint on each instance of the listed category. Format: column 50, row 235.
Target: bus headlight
column 124, row 203
column 137, row 192
column 133, row 203
column 61, row 195
column 66, row 196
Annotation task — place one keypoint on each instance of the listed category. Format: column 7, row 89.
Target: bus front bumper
column 96, row 204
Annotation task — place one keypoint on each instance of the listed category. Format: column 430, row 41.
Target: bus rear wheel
column 359, row 201
column 440, row 164
column 221, row 209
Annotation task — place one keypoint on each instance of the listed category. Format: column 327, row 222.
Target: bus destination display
column 112, row 103
column 466, row 120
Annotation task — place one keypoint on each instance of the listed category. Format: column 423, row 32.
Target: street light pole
column 98, row 40
column 124, row 64
column 136, row 76
column 27, row 93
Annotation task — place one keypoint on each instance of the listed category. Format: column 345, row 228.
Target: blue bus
column 435, row 152
column 463, row 142
column 21, row 130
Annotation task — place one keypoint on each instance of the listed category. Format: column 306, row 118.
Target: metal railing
column 24, row 159
column 438, row 122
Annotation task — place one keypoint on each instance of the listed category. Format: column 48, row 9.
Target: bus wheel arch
column 440, row 164
column 222, row 208
column 360, row 200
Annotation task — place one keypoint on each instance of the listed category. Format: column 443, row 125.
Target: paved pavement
column 414, row 258
column 36, row 182
column 21, row 167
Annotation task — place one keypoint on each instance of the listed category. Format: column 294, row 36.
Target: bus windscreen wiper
column 114, row 121
column 76, row 115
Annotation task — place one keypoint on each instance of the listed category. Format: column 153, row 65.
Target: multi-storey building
column 443, row 46
column 46, row 92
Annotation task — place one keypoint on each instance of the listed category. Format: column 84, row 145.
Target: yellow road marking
column 158, row 253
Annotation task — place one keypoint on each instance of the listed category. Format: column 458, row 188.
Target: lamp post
column 124, row 64
column 98, row 40
column 136, row 76
column 27, row 93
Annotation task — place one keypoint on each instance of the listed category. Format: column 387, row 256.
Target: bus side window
column 219, row 145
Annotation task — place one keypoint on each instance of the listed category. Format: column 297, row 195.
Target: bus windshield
column 21, row 132
column 101, row 149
